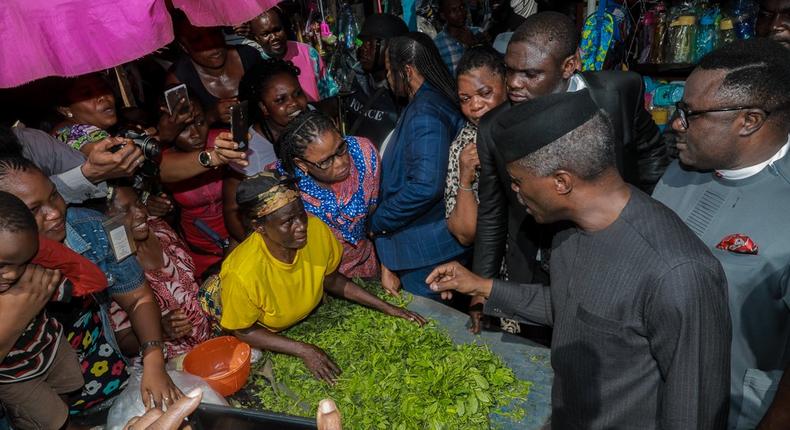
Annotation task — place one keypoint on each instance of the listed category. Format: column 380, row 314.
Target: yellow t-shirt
column 256, row 287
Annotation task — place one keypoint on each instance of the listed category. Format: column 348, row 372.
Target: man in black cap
column 638, row 303
column 371, row 110
column 542, row 59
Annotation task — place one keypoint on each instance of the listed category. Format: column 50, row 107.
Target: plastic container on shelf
column 726, row 32
column 745, row 18
column 682, row 36
column 659, row 36
column 707, row 33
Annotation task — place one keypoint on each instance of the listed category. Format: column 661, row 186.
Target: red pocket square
column 739, row 244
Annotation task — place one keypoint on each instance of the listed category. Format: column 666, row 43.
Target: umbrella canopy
column 73, row 37
column 207, row 13
column 42, row 38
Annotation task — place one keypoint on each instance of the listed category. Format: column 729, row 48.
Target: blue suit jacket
column 409, row 223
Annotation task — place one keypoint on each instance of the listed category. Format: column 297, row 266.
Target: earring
column 69, row 114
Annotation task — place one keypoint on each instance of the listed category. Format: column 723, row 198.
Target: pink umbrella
column 73, row 37
column 207, row 13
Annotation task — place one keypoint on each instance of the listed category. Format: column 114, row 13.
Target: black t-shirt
column 185, row 71
column 379, row 118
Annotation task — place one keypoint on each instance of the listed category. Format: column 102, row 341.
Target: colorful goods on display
column 688, row 31
column 396, row 375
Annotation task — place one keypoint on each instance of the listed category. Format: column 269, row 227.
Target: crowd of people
column 471, row 163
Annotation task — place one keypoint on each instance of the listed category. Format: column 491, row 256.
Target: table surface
column 529, row 360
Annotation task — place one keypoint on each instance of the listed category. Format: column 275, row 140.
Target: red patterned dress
column 175, row 287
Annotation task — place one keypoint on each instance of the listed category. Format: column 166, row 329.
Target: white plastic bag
column 129, row 404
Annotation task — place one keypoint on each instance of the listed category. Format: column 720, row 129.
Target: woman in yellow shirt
column 277, row 276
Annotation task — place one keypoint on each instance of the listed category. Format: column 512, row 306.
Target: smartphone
column 239, row 124
column 174, row 95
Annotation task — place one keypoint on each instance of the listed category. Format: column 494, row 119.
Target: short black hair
column 10, row 165
column 587, row 151
column 481, row 56
column 554, row 29
column 757, row 74
column 15, row 216
column 9, row 144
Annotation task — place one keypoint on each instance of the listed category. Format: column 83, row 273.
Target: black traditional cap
column 382, row 26
column 531, row 125
column 268, row 191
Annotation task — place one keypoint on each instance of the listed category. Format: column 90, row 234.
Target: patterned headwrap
column 268, row 191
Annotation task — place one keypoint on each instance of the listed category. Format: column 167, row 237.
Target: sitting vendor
column 277, row 276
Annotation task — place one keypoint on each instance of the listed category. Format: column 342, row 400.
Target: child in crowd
column 37, row 365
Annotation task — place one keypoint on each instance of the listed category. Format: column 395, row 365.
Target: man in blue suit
column 409, row 226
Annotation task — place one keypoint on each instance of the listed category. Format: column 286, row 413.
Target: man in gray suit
column 637, row 302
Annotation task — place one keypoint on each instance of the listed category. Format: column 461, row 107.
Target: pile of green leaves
column 396, row 375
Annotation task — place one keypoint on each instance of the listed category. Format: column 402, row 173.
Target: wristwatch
column 204, row 158
column 151, row 344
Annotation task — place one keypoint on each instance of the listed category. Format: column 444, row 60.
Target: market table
column 529, row 360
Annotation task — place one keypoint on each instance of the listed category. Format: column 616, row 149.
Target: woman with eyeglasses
column 339, row 182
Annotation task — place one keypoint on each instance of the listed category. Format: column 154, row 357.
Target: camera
column 146, row 178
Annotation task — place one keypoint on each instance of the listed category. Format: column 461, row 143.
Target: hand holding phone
column 174, row 95
column 239, row 124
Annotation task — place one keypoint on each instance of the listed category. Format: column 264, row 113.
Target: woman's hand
column 390, row 282
column 156, row 386
column 226, row 151
column 407, row 315
column 469, row 163
column 158, row 205
column 319, row 364
column 171, row 125
column 176, row 325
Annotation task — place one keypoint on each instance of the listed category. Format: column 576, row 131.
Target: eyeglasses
column 329, row 161
column 684, row 113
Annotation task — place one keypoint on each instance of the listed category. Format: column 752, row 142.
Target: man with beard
column 731, row 188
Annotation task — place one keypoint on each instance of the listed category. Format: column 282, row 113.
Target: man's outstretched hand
column 454, row 277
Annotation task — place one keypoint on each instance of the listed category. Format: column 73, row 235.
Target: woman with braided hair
column 339, row 182
column 275, row 98
column 409, row 225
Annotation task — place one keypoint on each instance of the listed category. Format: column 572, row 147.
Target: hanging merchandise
column 707, row 34
column 745, row 13
column 660, row 35
column 597, row 35
column 682, row 34
column 646, row 36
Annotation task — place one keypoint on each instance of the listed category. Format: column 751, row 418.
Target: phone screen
column 239, row 124
column 173, row 95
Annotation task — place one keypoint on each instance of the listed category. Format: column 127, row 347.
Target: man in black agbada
column 637, row 302
column 542, row 59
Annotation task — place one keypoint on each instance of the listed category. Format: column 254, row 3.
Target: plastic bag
column 129, row 404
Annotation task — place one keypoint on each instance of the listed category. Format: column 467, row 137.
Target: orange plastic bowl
column 223, row 362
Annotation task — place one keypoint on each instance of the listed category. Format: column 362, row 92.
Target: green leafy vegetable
column 396, row 375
